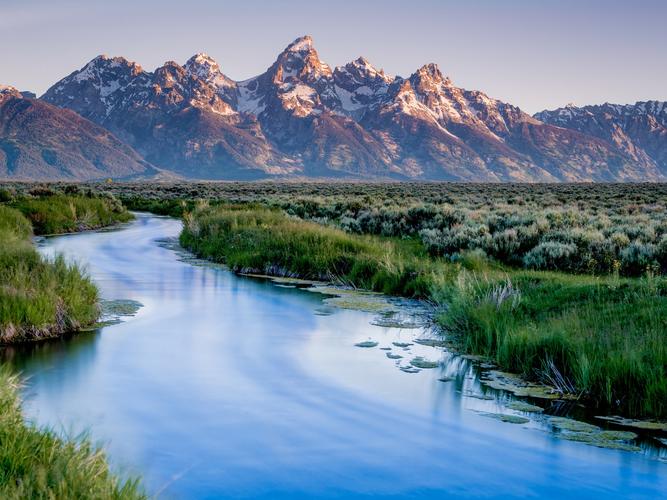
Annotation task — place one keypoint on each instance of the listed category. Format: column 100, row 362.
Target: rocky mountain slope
column 639, row 130
column 303, row 118
column 41, row 141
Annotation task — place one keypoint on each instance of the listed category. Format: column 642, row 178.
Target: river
column 233, row 387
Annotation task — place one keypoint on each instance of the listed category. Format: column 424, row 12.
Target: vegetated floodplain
column 563, row 284
column 41, row 299
column 598, row 334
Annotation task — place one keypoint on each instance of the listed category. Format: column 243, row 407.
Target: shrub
column 638, row 258
column 551, row 255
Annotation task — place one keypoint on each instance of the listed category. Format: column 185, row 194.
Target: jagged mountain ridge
column 640, row 129
column 40, row 141
column 303, row 118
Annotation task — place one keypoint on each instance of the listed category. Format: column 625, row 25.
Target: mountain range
column 303, row 118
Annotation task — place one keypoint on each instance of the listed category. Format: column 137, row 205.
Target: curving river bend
column 231, row 387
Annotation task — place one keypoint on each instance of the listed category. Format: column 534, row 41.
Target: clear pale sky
column 533, row 53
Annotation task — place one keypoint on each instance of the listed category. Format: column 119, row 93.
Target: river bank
column 43, row 299
column 599, row 339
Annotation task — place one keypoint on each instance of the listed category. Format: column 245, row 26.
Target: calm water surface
column 228, row 387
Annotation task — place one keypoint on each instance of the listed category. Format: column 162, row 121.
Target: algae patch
column 358, row 303
column 516, row 385
column 431, row 342
column 582, row 432
column 346, row 298
column 510, row 419
column 525, row 407
column 388, row 322
column 110, row 308
column 112, row 312
column 568, row 424
column 367, row 344
column 649, row 425
column 420, row 362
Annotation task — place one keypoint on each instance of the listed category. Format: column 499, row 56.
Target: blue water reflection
column 227, row 387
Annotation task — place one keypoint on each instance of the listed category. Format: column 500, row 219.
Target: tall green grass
column 60, row 213
column 604, row 339
column 37, row 464
column 38, row 298
column 255, row 239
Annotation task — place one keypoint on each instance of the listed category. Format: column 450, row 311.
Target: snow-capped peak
column 202, row 64
column 302, row 44
column 432, row 72
column 300, row 61
column 361, row 66
column 205, row 67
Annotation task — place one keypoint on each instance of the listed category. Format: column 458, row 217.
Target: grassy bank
column 38, row 298
column 60, row 213
column 37, row 464
column 603, row 338
column 41, row 299
column 260, row 240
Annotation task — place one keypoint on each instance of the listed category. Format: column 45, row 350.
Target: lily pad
column 396, row 318
column 582, row 432
column 519, row 387
column 617, row 435
column 366, row 344
column 525, row 407
column 358, row 303
column 650, row 425
column 595, row 439
column 568, row 424
column 510, row 419
column 349, row 298
column 420, row 362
